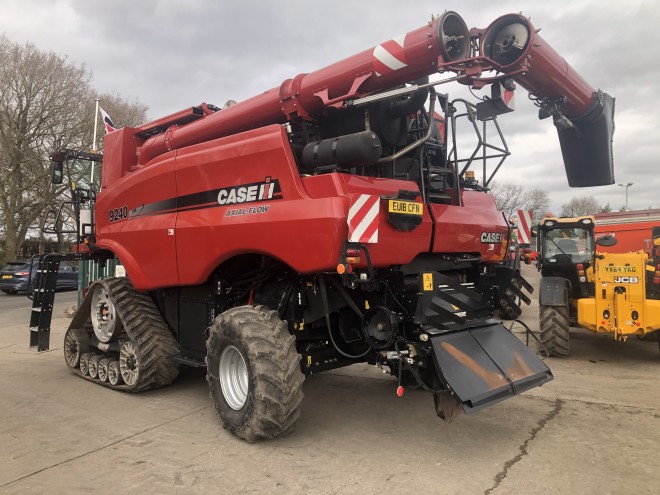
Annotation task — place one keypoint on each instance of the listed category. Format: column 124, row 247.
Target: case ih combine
column 322, row 223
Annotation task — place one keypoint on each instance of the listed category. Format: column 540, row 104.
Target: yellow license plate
column 6, row 276
column 405, row 207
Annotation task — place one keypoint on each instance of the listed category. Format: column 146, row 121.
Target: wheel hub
column 104, row 315
column 129, row 363
column 233, row 375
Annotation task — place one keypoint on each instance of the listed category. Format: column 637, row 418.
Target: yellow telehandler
column 584, row 284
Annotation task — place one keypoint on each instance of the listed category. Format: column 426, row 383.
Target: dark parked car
column 14, row 276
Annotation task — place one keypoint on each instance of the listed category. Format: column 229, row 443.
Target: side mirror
column 56, row 172
column 606, row 241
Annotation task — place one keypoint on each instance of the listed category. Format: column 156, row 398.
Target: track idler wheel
column 114, row 373
column 129, row 363
column 76, row 343
column 103, row 369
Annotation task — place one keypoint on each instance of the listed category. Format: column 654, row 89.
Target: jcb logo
column 626, row 280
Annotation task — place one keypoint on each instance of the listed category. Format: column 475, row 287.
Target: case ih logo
column 491, row 237
column 266, row 190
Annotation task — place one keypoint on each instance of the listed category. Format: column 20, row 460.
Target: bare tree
column 40, row 109
column 537, row 200
column 508, row 197
column 583, row 205
column 46, row 103
column 511, row 197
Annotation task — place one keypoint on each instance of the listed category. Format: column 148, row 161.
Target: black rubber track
column 555, row 330
column 144, row 326
column 275, row 379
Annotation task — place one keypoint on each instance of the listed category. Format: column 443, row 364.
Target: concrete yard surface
column 594, row 429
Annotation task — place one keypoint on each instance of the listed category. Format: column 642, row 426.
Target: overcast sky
column 174, row 54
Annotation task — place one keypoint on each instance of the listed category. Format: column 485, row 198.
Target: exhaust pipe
column 583, row 116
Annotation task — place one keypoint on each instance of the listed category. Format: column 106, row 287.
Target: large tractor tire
column 555, row 330
column 253, row 371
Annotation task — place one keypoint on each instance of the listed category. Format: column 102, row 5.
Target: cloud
column 171, row 55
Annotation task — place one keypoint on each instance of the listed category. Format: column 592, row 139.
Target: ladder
column 43, row 297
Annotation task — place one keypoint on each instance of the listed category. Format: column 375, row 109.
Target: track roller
column 93, row 365
column 84, row 363
column 103, row 369
column 114, row 373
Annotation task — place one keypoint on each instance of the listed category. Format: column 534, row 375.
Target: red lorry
column 322, row 223
column 632, row 229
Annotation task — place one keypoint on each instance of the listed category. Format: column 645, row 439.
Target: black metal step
column 441, row 170
column 438, row 195
column 43, row 298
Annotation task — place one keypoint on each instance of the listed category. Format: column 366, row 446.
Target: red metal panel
column 144, row 242
column 394, row 247
column 306, row 234
column 118, row 154
column 461, row 229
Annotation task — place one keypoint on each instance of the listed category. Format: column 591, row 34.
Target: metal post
column 626, row 187
column 85, row 268
column 94, row 149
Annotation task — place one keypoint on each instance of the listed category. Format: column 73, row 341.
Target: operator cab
column 566, row 248
column 81, row 170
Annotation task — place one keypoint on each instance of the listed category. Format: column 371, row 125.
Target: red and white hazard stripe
column 508, row 98
column 363, row 217
column 390, row 56
column 525, row 226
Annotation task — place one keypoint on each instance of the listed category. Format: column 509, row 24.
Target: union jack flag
column 107, row 121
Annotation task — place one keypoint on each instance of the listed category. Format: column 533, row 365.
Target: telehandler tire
column 253, row 371
column 555, row 330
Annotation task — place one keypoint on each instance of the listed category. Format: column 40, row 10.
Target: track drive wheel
column 253, row 371
column 105, row 320
column 555, row 330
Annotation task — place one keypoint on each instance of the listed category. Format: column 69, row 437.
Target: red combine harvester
column 322, row 223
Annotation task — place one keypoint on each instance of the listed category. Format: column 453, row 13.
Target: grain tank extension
column 325, row 222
